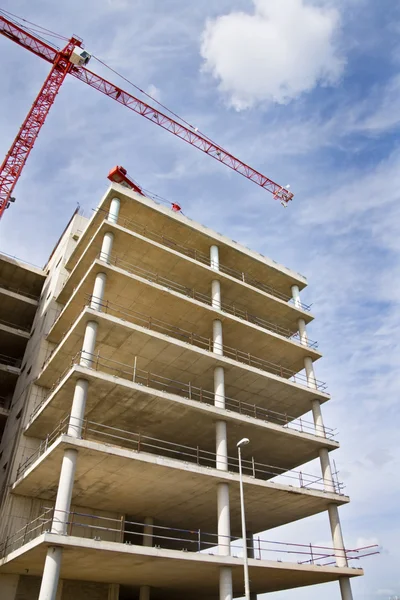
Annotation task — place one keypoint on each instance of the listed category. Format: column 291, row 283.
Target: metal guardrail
column 194, row 339
column 194, row 454
column 228, row 306
column 131, row 372
column 19, row 291
column 10, row 361
column 89, row 526
column 23, row 328
column 202, row 258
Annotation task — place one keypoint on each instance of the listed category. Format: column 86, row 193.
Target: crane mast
column 72, row 60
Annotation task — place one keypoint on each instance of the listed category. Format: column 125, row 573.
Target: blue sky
column 307, row 92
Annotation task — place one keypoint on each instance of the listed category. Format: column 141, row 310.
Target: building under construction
column 131, row 366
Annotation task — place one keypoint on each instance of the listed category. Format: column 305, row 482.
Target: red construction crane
column 72, row 60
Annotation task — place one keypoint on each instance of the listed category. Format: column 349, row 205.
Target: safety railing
column 140, row 442
column 135, row 533
column 230, row 307
column 194, row 339
column 202, row 258
column 19, row 291
column 187, row 390
column 24, row 328
column 10, row 361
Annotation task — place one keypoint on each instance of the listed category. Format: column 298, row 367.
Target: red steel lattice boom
column 16, row 158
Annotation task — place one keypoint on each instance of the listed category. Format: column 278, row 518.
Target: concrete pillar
column 113, row 591
column 326, row 470
column 345, row 588
column 89, row 343
column 218, row 347
column 317, row 416
column 113, row 213
column 148, row 529
column 214, row 257
column 51, row 574
column 64, row 492
column 98, row 291
column 225, row 583
column 106, row 247
column 216, row 293
column 78, row 408
column 144, row 593
column 224, row 522
column 219, row 387
column 224, row 519
column 337, row 536
column 302, row 332
column 309, row 368
column 221, row 446
column 296, row 296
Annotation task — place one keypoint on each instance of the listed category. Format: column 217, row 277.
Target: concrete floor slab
column 175, row 492
column 175, row 226
column 127, row 291
column 166, row 261
column 168, row 357
column 172, row 574
column 163, row 415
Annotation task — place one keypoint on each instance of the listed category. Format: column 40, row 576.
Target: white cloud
column 285, row 48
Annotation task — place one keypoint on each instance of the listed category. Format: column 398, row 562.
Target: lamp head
column 243, row 442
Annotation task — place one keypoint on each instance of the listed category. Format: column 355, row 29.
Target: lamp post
column 243, row 442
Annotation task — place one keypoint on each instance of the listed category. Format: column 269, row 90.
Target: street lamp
column 243, row 442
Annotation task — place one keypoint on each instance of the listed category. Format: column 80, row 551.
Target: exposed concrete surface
column 176, row 574
column 166, row 415
column 177, row 493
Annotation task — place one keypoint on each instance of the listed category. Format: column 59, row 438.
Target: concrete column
column 64, row 492
column 113, row 213
column 337, row 536
column 51, row 574
column 113, row 591
column 144, row 593
column 219, row 387
column 78, row 408
column 225, row 583
column 89, row 343
column 317, row 416
column 221, row 446
column 345, row 588
column 216, row 293
column 309, row 368
column 98, row 291
column 296, row 296
column 224, row 522
column 302, row 332
column 214, row 257
column 148, row 532
column 106, row 247
column 326, row 470
column 218, row 347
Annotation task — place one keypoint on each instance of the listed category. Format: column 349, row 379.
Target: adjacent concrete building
column 157, row 344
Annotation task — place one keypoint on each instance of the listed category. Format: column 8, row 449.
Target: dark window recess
column 1, row 454
column 23, row 368
column 29, row 370
column 5, row 466
column 59, row 260
column 33, row 331
column 18, row 415
column 48, row 295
